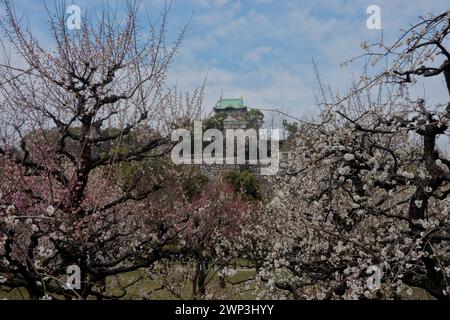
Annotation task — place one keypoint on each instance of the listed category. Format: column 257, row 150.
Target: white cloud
column 256, row 55
column 263, row 51
column 211, row 3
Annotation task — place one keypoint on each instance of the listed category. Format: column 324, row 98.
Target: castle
column 235, row 110
column 235, row 114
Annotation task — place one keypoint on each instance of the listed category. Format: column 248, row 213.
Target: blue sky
column 262, row 50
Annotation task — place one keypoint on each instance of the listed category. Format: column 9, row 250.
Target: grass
column 139, row 283
column 184, row 291
column 146, row 285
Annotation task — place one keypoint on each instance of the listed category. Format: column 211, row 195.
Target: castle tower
column 235, row 110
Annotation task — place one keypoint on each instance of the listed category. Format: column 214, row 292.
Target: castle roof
column 224, row 104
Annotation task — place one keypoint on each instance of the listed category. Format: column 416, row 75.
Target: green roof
column 223, row 104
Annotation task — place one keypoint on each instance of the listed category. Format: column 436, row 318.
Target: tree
column 215, row 121
column 208, row 245
column 244, row 183
column 67, row 114
column 291, row 128
column 254, row 119
column 372, row 191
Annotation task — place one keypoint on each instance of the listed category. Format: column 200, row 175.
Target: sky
column 262, row 50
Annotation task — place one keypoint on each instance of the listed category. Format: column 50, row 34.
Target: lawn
column 147, row 285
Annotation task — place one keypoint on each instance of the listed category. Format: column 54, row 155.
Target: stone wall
column 216, row 170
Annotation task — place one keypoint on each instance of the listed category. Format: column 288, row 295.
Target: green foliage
column 139, row 174
column 244, row 183
column 191, row 179
column 254, row 118
column 291, row 128
column 216, row 121
column 193, row 185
